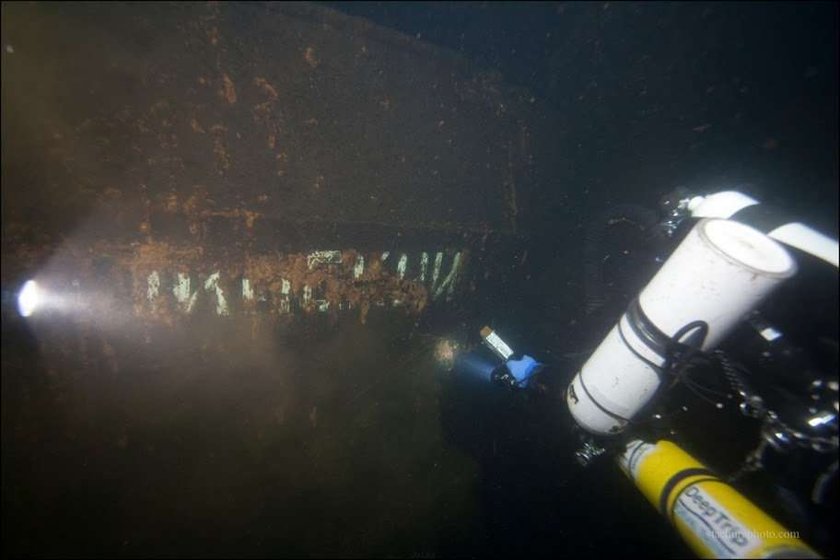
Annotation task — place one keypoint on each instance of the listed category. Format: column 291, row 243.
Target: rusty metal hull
column 237, row 140
column 242, row 213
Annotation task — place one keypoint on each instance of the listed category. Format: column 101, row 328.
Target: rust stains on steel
column 173, row 280
column 162, row 281
column 321, row 125
column 163, row 277
column 189, row 169
column 196, row 207
column 310, row 57
column 228, row 91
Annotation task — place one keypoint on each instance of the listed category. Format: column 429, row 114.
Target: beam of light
column 474, row 365
column 57, row 296
column 53, row 298
column 69, row 290
column 30, row 298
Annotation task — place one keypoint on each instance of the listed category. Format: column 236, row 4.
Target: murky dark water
column 326, row 435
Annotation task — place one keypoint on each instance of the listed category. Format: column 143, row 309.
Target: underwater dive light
column 29, row 298
column 514, row 373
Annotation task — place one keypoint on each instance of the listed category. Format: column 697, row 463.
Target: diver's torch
column 495, row 343
column 513, row 373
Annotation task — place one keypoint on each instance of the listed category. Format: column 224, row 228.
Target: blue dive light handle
column 522, row 369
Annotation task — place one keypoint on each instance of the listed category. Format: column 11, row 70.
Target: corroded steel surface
column 163, row 282
column 183, row 149
column 215, row 197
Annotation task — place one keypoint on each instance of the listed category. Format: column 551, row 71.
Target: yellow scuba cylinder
column 711, row 516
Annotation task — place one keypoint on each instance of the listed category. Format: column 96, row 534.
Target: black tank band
column 762, row 217
column 676, row 479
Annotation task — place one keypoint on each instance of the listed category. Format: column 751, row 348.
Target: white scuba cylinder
column 720, row 205
column 720, row 271
column 726, row 204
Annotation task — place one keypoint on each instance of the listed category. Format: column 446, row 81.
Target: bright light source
column 817, row 421
column 29, row 298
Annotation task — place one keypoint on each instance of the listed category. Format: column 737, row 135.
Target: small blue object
column 523, row 369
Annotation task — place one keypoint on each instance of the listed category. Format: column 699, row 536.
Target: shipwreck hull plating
column 181, row 153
